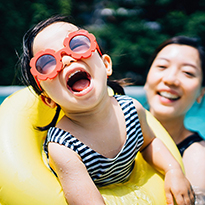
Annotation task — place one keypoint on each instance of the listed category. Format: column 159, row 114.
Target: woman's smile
column 166, row 96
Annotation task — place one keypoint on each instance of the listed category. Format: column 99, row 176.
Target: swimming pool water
column 195, row 118
column 5, row 91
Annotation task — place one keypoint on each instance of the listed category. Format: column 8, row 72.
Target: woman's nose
column 67, row 60
column 171, row 77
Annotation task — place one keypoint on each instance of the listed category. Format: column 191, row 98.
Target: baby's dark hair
column 26, row 76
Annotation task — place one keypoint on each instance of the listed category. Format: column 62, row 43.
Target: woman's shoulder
column 195, row 151
column 190, row 140
column 198, row 142
column 194, row 156
column 198, row 147
column 194, row 163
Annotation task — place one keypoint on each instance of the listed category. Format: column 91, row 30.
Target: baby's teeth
column 72, row 74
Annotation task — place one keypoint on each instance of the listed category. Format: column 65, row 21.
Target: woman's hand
column 178, row 187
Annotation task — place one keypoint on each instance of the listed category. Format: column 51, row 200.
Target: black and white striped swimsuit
column 103, row 170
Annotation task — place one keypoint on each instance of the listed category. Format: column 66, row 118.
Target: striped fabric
column 105, row 171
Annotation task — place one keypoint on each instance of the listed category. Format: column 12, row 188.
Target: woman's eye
column 162, row 66
column 189, row 73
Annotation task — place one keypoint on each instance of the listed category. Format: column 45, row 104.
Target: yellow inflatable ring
column 25, row 177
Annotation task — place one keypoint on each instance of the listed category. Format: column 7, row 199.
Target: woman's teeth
column 169, row 95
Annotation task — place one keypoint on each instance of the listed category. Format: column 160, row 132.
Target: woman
column 174, row 82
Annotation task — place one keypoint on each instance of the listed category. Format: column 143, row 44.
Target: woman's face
column 174, row 81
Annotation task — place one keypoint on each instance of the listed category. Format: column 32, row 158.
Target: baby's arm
column 78, row 186
column 157, row 155
column 176, row 184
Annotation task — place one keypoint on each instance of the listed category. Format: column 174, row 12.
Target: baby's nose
column 67, row 60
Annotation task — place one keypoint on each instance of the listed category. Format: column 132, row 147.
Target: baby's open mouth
column 78, row 81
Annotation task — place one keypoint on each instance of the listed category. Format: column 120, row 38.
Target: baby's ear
column 48, row 101
column 108, row 64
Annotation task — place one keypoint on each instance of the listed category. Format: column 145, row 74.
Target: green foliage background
column 128, row 30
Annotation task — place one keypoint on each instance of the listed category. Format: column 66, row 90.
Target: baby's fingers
column 188, row 198
column 169, row 199
column 182, row 200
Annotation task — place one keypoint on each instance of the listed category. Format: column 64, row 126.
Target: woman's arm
column 157, row 155
column 78, row 186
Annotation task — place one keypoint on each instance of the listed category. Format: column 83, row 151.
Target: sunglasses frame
column 59, row 54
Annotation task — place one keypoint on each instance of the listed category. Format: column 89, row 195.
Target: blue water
column 5, row 91
column 2, row 98
column 195, row 118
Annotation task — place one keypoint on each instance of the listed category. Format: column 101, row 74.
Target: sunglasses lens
column 46, row 64
column 80, row 44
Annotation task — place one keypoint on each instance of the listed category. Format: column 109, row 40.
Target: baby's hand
column 177, row 186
